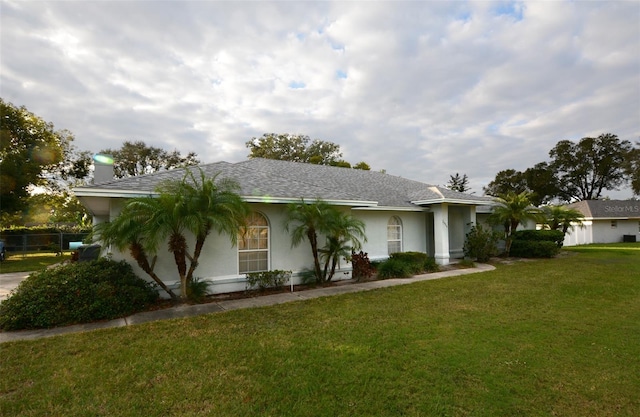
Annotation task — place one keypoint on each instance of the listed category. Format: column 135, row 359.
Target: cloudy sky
column 420, row 89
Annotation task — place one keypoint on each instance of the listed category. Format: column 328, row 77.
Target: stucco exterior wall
column 458, row 217
column 219, row 259
column 413, row 231
column 601, row 231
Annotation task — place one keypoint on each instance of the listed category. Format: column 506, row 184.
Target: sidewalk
column 10, row 281
column 227, row 305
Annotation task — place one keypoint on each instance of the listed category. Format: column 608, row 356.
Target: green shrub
column 361, row 266
column 534, row 249
column 481, row 244
column 555, row 236
column 307, row 276
column 375, row 264
column 394, row 268
column 418, row 262
column 198, row 289
column 467, row 263
column 430, row 265
column 76, row 293
column 267, row 279
column 415, row 258
column 406, row 264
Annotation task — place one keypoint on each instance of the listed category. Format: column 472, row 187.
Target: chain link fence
column 42, row 242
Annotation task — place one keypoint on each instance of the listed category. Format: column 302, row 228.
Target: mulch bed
column 237, row 295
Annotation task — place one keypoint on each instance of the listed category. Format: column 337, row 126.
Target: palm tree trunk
column 313, row 239
column 325, row 270
column 196, row 255
column 178, row 245
column 334, row 263
column 141, row 258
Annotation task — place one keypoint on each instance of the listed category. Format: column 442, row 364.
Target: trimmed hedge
column 394, row 268
column 76, row 293
column 267, row 279
column 534, row 249
column 406, row 264
column 25, row 230
column 555, row 236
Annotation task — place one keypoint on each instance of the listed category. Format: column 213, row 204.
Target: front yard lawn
column 535, row 338
column 28, row 262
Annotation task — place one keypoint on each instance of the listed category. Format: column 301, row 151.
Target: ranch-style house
column 400, row 215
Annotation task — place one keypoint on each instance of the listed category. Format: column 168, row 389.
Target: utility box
column 88, row 253
column 75, row 245
column 629, row 238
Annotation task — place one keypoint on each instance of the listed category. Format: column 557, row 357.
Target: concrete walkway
column 226, row 305
column 10, row 281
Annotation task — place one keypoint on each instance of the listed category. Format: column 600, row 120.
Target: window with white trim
column 614, row 224
column 394, row 235
column 253, row 245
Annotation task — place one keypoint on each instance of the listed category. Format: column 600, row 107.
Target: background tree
column 507, row 181
column 510, row 211
column 295, row 148
column 458, row 183
column 299, row 148
column 542, row 184
column 632, row 168
column 363, row 166
column 137, row 158
column 284, row 147
column 341, row 163
column 29, row 147
column 38, row 167
column 323, row 152
column 56, row 207
column 587, row 168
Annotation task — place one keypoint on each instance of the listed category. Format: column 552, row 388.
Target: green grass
column 30, row 262
column 536, row 338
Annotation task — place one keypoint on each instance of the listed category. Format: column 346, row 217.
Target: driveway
column 10, row 281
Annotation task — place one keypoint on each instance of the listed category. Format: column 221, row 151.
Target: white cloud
column 421, row 89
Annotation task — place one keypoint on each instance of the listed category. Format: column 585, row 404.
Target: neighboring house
column 399, row 215
column 605, row 221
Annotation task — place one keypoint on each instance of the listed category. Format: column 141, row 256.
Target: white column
column 441, row 233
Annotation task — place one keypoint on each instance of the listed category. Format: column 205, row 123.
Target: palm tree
column 306, row 220
column 218, row 207
column 197, row 205
column 510, row 210
column 127, row 232
column 310, row 219
column 168, row 220
column 562, row 218
column 343, row 238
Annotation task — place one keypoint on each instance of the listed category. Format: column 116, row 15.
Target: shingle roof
column 292, row 180
column 606, row 209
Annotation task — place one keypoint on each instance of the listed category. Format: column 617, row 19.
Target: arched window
column 394, row 235
column 253, row 245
